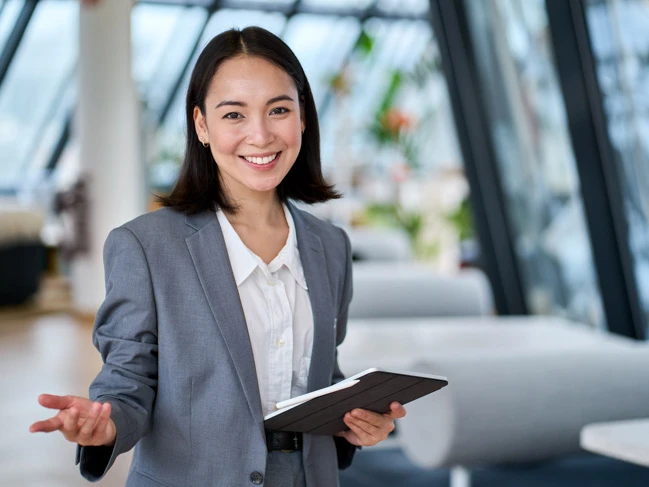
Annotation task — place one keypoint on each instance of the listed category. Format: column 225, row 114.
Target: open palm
column 79, row 419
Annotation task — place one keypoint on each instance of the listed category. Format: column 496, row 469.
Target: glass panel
column 256, row 3
column 537, row 167
column 342, row 4
column 163, row 37
column 321, row 44
column 9, row 11
column 388, row 140
column 619, row 32
column 35, row 82
column 412, row 7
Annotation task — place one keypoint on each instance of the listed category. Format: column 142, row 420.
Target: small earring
column 205, row 144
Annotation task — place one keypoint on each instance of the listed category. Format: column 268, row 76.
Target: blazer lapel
column 210, row 257
column 317, row 279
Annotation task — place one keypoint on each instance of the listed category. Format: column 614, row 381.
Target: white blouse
column 278, row 314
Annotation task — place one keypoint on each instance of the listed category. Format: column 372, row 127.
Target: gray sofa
column 412, row 289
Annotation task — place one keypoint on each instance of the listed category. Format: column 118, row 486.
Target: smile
column 261, row 161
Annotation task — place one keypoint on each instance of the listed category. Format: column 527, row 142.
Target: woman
column 227, row 300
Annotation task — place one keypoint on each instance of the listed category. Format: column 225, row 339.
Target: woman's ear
column 200, row 125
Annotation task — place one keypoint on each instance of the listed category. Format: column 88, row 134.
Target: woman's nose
column 260, row 134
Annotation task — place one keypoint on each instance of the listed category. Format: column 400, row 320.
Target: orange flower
column 395, row 121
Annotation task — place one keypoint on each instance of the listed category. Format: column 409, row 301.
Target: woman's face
column 253, row 123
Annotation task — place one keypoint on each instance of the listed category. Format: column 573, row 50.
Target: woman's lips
column 262, row 167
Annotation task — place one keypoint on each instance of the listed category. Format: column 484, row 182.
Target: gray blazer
column 178, row 365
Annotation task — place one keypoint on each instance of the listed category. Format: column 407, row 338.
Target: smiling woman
column 228, row 300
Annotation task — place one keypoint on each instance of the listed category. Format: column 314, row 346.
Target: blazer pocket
column 147, row 480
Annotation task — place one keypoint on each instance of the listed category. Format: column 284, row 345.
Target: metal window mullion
column 596, row 165
column 487, row 199
column 181, row 74
column 13, row 41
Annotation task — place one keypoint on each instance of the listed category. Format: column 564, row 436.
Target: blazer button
column 256, row 478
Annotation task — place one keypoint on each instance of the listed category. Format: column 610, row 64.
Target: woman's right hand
column 80, row 420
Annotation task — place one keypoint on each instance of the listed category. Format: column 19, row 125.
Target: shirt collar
column 244, row 261
column 289, row 256
column 241, row 258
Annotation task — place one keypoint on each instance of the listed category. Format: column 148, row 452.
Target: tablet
column 321, row 412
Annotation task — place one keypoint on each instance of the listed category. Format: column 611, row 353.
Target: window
column 619, row 32
column 535, row 158
column 35, row 85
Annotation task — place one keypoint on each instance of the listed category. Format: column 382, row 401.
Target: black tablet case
column 376, row 391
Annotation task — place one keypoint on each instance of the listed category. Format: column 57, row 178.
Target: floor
column 43, row 353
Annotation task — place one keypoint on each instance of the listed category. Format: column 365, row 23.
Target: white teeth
column 261, row 160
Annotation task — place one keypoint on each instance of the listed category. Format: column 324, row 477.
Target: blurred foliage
column 462, row 220
column 340, row 82
column 364, row 43
column 391, row 215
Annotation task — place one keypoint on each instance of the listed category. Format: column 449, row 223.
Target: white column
column 109, row 133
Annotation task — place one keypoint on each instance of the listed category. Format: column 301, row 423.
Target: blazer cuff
column 95, row 461
column 345, row 452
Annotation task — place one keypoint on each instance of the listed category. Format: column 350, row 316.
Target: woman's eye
column 232, row 115
column 279, row 111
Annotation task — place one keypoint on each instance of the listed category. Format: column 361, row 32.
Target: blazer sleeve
column 125, row 334
column 344, row 449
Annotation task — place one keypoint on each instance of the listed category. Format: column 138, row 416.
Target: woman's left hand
column 367, row 428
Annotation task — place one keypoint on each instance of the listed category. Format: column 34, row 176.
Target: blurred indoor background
column 494, row 157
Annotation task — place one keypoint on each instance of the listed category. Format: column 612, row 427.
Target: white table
column 625, row 440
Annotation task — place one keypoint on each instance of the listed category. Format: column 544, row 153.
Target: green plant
column 392, row 215
column 462, row 220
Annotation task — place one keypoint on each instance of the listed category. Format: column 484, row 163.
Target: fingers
column 52, row 401
column 370, row 428
column 88, row 426
column 46, row 426
column 362, row 424
column 396, row 411
column 71, row 422
column 104, row 418
column 352, row 438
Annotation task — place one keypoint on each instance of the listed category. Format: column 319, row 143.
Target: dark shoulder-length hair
column 199, row 186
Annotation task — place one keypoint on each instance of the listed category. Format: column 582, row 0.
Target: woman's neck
column 258, row 214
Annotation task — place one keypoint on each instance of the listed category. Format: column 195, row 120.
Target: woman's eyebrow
column 242, row 104
column 231, row 103
column 279, row 98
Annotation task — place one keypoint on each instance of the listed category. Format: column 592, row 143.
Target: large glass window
column 535, row 158
column 619, row 32
column 36, row 83
column 163, row 37
column 388, row 140
column 9, row 11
